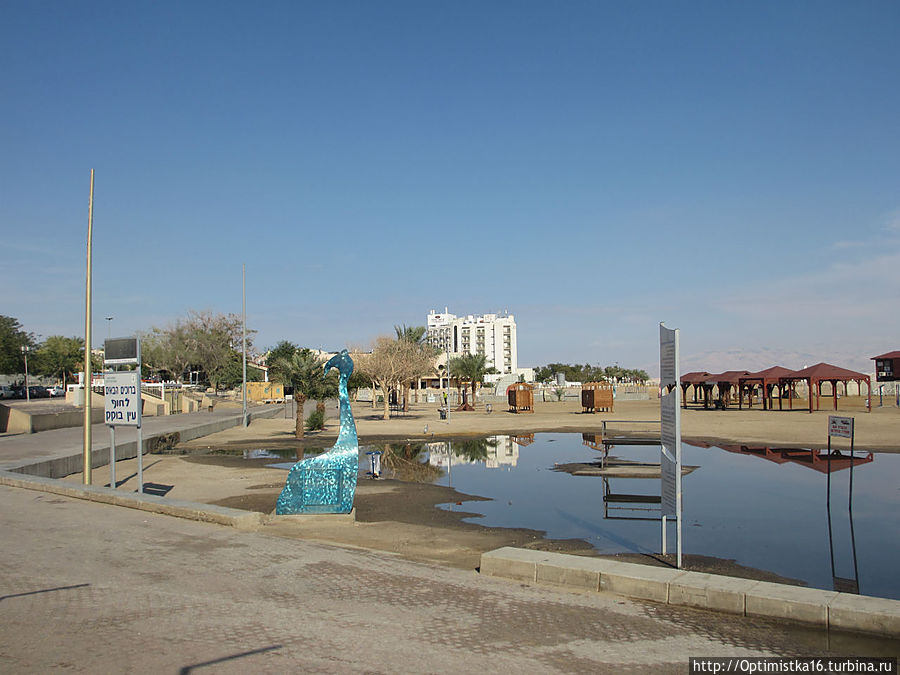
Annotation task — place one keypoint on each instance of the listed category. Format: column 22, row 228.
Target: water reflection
column 828, row 463
column 495, row 451
column 409, row 462
column 771, row 514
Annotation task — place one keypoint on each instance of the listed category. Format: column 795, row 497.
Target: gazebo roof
column 889, row 355
column 772, row 373
column 826, row 371
column 729, row 376
column 694, row 377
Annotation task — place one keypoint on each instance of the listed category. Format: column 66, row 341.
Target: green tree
column 231, row 375
column 414, row 334
column 12, row 339
column 283, row 350
column 169, row 350
column 470, row 368
column 304, row 372
column 59, row 356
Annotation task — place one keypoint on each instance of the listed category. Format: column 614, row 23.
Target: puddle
column 770, row 509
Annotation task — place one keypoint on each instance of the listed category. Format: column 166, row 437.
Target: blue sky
column 732, row 169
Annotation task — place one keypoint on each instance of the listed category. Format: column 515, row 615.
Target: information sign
column 840, row 426
column 121, row 351
column 668, row 455
column 670, row 434
column 667, row 375
column 123, row 398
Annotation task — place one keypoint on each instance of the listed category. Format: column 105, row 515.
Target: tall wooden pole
column 88, row 370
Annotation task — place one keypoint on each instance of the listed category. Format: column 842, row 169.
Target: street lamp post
column 108, row 326
column 25, row 354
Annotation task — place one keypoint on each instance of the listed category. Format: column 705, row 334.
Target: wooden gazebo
column 597, row 397
column 693, row 379
column 818, row 460
column 768, row 379
column 521, row 397
column 724, row 382
column 825, row 372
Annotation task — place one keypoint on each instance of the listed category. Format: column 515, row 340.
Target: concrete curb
column 208, row 513
column 42, row 475
column 826, row 609
column 313, row 518
column 66, row 464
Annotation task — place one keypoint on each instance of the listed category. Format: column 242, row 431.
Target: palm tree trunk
column 299, row 400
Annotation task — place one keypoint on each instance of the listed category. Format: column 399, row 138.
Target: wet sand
column 401, row 517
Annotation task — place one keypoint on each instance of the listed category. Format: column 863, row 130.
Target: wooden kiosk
column 521, row 397
column 597, row 397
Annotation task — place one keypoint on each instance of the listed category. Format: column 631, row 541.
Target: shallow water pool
column 764, row 508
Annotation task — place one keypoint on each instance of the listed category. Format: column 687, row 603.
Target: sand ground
column 401, row 517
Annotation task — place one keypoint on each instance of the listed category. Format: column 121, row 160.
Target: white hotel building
column 493, row 335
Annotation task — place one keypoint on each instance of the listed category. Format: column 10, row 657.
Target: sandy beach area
column 401, row 517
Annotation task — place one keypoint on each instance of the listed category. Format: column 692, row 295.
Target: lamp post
column 25, row 354
column 108, row 326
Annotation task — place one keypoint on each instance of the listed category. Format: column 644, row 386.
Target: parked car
column 6, row 391
column 56, row 391
column 38, row 391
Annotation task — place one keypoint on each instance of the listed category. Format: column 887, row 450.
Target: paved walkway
column 16, row 449
column 87, row 587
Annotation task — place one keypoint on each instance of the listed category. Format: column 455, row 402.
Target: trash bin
column 374, row 463
column 443, row 413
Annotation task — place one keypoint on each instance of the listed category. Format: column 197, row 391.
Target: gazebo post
column 834, row 392
column 868, row 393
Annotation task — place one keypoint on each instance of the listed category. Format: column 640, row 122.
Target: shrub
column 316, row 420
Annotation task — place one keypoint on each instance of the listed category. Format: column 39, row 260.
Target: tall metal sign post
column 670, row 433
column 122, row 393
column 88, row 370
column 842, row 427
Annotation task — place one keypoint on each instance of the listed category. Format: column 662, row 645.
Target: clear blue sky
column 732, row 169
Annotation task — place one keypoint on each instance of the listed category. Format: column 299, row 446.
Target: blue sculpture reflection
column 327, row 483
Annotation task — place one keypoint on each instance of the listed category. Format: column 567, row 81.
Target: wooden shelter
column 818, row 460
column 825, row 372
column 521, row 397
column 724, row 383
column 887, row 367
column 768, row 380
column 693, row 379
column 597, row 397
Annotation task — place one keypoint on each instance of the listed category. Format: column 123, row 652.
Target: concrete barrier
column 64, row 465
column 242, row 520
column 16, row 421
column 746, row 597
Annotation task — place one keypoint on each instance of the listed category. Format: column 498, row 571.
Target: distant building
column 493, row 335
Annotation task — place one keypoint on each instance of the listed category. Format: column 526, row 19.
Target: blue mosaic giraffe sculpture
column 327, row 483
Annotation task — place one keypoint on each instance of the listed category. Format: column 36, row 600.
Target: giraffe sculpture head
column 342, row 362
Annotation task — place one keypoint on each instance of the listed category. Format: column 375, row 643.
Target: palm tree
column 415, row 335
column 472, row 368
column 304, row 372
